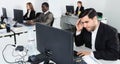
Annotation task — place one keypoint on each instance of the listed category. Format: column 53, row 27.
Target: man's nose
column 85, row 25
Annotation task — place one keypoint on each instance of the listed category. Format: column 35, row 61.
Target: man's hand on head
column 79, row 25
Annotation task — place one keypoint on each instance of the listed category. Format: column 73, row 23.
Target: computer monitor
column 18, row 15
column 70, row 9
column 58, row 43
column 4, row 13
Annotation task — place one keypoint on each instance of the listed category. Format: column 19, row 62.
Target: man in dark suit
column 101, row 38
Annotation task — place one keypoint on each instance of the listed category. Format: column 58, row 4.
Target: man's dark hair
column 46, row 4
column 90, row 12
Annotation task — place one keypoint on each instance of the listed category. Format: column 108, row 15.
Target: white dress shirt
column 46, row 12
column 28, row 15
column 94, row 34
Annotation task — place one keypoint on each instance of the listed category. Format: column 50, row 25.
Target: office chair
column 52, row 22
column 37, row 14
column 119, row 44
column 99, row 14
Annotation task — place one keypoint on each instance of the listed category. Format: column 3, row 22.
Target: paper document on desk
column 90, row 60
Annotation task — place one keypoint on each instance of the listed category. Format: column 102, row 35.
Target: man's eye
column 86, row 22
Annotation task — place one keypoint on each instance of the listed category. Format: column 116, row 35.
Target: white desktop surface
column 28, row 40
column 83, row 48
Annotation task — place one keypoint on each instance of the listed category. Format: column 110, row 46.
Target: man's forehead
column 85, row 18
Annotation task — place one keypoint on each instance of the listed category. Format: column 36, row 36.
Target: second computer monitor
column 18, row 15
column 70, row 9
column 4, row 12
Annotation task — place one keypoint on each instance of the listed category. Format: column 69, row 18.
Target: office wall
column 112, row 13
column 58, row 6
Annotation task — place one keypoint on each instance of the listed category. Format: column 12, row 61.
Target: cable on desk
column 4, row 56
column 22, row 57
column 21, row 60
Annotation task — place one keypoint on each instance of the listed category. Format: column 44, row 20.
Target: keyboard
column 25, row 24
column 78, row 59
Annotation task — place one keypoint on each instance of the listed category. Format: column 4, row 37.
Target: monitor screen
column 18, row 15
column 59, row 43
column 4, row 12
column 70, row 9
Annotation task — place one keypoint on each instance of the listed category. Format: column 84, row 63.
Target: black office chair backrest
column 100, row 14
column 119, row 44
column 37, row 14
column 52, row 22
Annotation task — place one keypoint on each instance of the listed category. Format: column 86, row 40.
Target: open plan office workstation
column 22, row 39
column 68, row 20
column 26, row 36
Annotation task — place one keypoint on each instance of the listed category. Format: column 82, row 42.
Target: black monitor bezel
column 18, row 15
column 70, row 9
column 60, row 56
column 4, row 12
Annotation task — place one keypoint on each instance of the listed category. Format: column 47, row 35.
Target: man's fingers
column 78, row 21
column 80, row 54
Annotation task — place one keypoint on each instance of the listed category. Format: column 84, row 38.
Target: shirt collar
column 46, row 12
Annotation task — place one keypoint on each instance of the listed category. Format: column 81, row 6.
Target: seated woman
column 30, row 14
column 79, row 8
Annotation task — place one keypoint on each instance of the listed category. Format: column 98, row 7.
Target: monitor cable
column 18, row 48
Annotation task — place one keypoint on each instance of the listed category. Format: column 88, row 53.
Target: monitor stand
column 43, row 57
column 16, row 25
column 47, row 59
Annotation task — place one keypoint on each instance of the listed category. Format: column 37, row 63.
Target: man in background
column 45, row 18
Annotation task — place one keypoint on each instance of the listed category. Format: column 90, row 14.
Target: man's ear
column 95, row 18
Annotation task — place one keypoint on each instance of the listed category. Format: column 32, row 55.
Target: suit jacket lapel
column 99, row 35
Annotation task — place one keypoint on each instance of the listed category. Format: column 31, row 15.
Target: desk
column 83, row 48
column 26, row 36
column 68, row 22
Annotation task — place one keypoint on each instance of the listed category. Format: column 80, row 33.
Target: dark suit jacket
column 45, row 19
column 119, row 44
column 32, row 15
column 81, row 9
column 106, row 44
